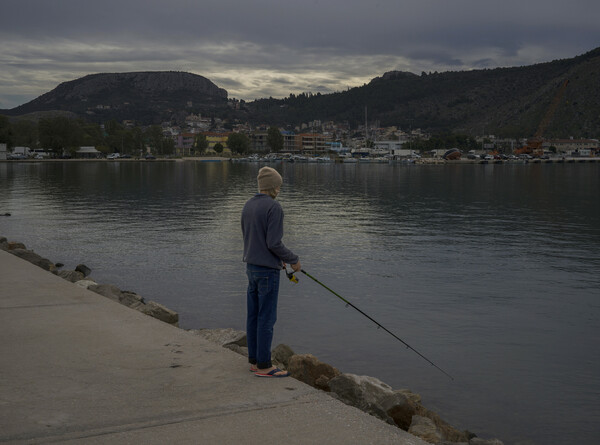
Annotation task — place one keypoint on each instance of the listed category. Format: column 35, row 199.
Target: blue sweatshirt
column 262, row 227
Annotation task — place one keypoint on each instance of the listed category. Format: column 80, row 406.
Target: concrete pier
column 78, row 368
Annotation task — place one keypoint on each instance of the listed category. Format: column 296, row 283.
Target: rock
column 127, row 298
column 282, row 354
column 222, row 337
column 400, row 408
column 83, row 269
column 59, row 265
column 85, row 283
column 479, row 441
column 448, row 431
column 131, row 299
column 71, row 275
column 3, row 243
column 107, row 290
column 34, row 258
column 367, row 394
column 14, row 245
column 237, row 348
column 413, row 397
column 425, row 428
column 135, row 301
column 160, row 312
column 308, row 369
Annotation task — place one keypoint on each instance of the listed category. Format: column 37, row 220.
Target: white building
column 570, row 146
column 87, row 152
column 25, row 151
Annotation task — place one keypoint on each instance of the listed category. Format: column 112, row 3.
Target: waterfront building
column 258, row 141
column 216, row 138
column 312, row 143
column 289, row 142
column 184, row 143
column 571, row 146
column 88, row 152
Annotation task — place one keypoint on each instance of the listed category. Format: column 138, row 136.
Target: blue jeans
column 263, row 290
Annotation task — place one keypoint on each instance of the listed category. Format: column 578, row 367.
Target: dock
column 79, row 368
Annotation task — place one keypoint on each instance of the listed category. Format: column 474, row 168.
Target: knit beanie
column 268, row 179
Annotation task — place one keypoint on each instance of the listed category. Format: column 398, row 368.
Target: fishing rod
column 293, row 278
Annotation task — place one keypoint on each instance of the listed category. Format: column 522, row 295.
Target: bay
column 490, row 271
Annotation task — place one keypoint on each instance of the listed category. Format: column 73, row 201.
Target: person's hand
column 296, row 267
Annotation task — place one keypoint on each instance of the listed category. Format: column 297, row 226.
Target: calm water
column 489, row 271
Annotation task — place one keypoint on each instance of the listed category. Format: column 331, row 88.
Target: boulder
column 127, row 298
column 131, row 299
column 223, row 337
column 308, row 369
column 242, row 350
column 160, row 312
column 85, row 283
column 135, row 301
column 412, row 396
column 3, row 243
column 86, row 271
column 399, row 408
column 479, row 441
column 12, row 245
column 282, row 354
column 34, row 258
column 107, row 290
column 375, row 397
column 71, row 275
column 425, row 428
column 448, row 431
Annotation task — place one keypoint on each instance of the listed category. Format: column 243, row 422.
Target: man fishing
column 265, row 255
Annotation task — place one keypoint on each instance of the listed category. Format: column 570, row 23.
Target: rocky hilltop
column 507, row 102
column 148, row 97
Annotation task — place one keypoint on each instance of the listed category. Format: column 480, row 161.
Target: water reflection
column 490, row 271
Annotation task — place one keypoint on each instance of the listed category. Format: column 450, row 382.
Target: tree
column 238, row 143
column 5, row 131
column 59, row 133
column 218, row 147
column 154, row 137
column 275, row 139
column 25, row 133
column 200, row 142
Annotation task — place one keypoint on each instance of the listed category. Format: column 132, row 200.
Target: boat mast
column 366, row 129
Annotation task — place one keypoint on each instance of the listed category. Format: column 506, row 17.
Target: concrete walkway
column 78, row 368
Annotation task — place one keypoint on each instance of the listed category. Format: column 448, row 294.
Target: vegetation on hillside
column 506, row 102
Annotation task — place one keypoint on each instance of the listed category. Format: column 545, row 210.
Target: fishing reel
column 291, row 276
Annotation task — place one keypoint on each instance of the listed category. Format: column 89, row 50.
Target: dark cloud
column 273, row 48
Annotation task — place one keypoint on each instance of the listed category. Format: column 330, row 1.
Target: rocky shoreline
column 401, row 408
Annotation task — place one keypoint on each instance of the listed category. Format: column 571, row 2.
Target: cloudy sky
column 262, row 48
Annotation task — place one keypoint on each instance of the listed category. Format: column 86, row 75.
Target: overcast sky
column 262, row 48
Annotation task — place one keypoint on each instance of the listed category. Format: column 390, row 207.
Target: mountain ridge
column 508, row 101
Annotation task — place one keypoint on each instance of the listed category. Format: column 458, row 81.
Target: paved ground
column 78, row 368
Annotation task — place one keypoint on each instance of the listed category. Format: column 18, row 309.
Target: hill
column 146, row 97
column 502, row 101
column 507, row 102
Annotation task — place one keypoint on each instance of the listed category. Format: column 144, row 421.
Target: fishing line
column 291, row 276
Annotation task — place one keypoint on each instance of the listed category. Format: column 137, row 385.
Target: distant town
column 206, row 136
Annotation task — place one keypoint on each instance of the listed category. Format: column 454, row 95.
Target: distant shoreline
column 422, row 161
